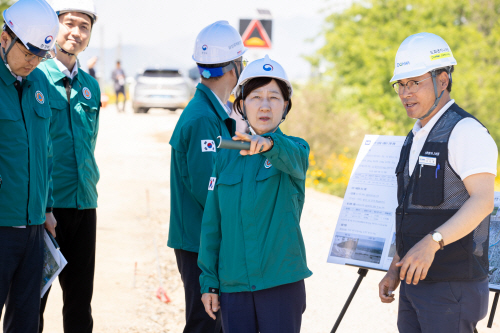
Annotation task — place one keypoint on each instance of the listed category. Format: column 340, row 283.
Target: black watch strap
column 213, row 290
column 49, row 210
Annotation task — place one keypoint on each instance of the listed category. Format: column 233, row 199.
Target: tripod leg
column 493, row 309
column 362, row 273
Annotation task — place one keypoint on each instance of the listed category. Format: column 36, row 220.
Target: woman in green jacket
column 252, row 253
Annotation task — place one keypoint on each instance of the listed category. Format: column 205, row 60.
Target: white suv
column 164, row 88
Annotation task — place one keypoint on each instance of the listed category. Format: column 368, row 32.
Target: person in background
column 24, row 170
column 252, row 254
column 91, row 64
column 445, row 175
column 218, row 53
column 118, row 77
column 75, row 103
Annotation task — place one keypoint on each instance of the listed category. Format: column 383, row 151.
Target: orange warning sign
column 255, row 34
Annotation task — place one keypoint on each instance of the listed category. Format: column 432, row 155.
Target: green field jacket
column 193, row 152
column 24, row 140
column 250, row 234
column 73, row 131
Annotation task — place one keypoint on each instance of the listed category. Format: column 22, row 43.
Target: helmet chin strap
column 246, row 118
column 64, row 51
column 236, row 71
column 14, row 40
column 438, row 98
column 67, row 53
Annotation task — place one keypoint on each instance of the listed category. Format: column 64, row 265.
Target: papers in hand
column 53, row 263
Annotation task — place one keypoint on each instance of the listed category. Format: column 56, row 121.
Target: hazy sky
column 163, row 32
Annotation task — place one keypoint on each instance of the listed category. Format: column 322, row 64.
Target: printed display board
column 365, row 232
column 494, row 249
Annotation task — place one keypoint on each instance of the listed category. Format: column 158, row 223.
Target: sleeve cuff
column 213, row 290
column 274, row 151
column 476, row 171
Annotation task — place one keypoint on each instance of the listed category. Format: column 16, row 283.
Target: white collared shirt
column 65, row 70
column 224, row 106
column 241, row 124
column 471, row 149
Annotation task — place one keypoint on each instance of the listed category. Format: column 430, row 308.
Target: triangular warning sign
column 256, row 36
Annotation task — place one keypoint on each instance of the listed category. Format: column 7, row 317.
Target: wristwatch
column 438, row 238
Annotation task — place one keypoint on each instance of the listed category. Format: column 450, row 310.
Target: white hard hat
column 80, row 6
column 218, row 43
column 35, row 25
column 421, row 53
column 264, row 67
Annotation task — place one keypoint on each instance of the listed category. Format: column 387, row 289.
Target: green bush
column 355, row 97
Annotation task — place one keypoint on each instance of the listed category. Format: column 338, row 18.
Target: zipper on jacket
column 19, row 89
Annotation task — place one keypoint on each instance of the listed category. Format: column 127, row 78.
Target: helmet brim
column 407, row 75
column 92, row 16
column 38, row 52
column 243, row 51
column 242, row 83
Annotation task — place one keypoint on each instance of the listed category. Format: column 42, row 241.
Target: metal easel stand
column 493, row 309
column 362, row 273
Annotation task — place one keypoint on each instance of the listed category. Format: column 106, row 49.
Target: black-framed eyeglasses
column 411, row 85
column 30, row 57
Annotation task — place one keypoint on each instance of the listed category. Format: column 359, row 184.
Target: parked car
column 166, row 88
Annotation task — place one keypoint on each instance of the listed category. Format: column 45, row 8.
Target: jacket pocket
column 10, row 114
column 267, row 173
column 88, row 115
column 43, row 112
column 229, row 179
column 429, row 185
column 88, row 107
column 229, row 192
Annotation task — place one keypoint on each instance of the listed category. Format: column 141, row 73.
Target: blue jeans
column 444, row 307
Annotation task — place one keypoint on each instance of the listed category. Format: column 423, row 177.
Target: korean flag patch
column 267, row 164
column 212, row 183
column 207, row 145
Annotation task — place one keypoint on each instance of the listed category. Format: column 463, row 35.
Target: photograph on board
column 358, row 247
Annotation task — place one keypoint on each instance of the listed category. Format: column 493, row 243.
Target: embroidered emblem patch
column 86, row 93
column 207, row 145
column 212, row 183
column 39, row 97
column 267, row 164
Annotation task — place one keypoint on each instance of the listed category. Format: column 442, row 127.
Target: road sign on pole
column 256, row 33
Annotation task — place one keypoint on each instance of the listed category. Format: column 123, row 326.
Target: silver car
column 161, row 88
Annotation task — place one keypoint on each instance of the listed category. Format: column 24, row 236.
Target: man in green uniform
column 75, row 102
column 26, row 40
column 218, row 51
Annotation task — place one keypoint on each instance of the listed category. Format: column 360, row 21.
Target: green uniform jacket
column 250, row 234
column 193, row 153
column 24, row 140
column 73, row 130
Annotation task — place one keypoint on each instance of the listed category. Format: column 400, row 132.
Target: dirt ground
column 133, row 156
